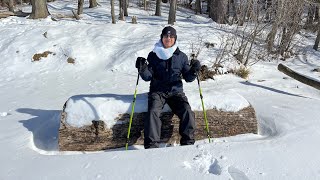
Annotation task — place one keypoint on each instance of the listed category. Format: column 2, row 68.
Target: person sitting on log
column 164, row 67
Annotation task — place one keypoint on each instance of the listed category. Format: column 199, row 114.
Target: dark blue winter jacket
column 166, row 75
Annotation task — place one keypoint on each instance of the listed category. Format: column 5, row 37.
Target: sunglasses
column 169, row 36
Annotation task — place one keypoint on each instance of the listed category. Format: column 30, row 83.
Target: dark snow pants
column 179, row 105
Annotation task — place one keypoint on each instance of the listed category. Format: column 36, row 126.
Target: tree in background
column 113, row 16
column 123, row 9
column 158, row 8
column 172, row 12
column 315, row 3
column 218, row 11
column 80, row 6
column 39, row 9
column 93, row 3
column 11, row 6
column 198, row 7
column 121, row 13
column 287, row 20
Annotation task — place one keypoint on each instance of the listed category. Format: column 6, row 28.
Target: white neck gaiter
column 164, row 53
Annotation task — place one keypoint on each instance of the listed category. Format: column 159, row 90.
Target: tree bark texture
column 145, row 4
column 172, row 12
column 80, row 6
column 311, row 15
column 113, row 16
column 93, row 3
column 299, row 77
column 121, row 14
column 98, row 137
column 158, row 8
column 39, row 9
column 11, row 6
column 125, row 7
column 75, row 14
column 218, row 11
column 232, row 11
column 316, row 43
column 198, row 7
column 209, row 2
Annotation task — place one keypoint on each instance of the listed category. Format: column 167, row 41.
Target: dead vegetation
column 38, row 56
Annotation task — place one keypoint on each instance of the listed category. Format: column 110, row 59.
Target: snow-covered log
column 84, row 127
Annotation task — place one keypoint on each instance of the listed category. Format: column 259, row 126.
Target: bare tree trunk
column 145, row 5
column 311, row 15
column 209, row 2
column 242, row 13
column 316, row 16
column 11, row 6
column 158, row 8
column 80, row 6
column 39, row 9
column 271, row 36
column 172, row 12
column 93, row 3
column 284, row 40
column 125, row 8
column 198, row 7
column 234, row 11
column 316, row 43
column 218, row 11
column 113, row 16
column 120, row 7
column 121, row 14
column 249, row 9
column 269, row 10
column 291, row 25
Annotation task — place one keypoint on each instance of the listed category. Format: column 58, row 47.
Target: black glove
column 141, row 63
column 195, row 66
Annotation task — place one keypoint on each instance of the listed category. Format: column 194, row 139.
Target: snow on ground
column 33, row 93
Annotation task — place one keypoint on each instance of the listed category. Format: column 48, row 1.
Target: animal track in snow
column 236, row 174
column 204, row 163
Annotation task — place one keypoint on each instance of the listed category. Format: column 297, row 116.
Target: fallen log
column 299, row 77
column 98, row 136
column 6, row 14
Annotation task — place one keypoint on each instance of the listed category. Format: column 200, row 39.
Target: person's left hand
column 195, row 65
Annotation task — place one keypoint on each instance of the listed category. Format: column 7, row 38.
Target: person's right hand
column 141, row 63
column 195, row 65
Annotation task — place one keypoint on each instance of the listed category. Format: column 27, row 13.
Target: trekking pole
column 204, row 111
column 132, row 110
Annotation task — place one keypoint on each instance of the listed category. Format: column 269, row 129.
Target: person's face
column 168, row 40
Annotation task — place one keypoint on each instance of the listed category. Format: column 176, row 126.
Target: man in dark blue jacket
column 165, row 67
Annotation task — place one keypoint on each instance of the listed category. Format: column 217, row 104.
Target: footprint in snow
column 204, row 163
column 236, row 174
column 4, row 114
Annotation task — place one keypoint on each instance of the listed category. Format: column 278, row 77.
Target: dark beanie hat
column 169, row 31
